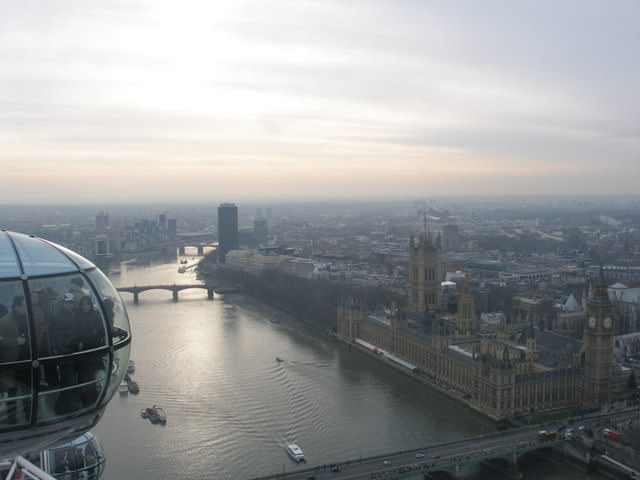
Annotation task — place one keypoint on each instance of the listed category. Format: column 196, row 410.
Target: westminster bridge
column 498, row 451
column 136, row 290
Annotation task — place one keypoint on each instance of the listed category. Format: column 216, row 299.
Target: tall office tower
column 172, row 228
column 450, row 238
column 162, row 221
column 102, row 246
column 425, row 274
column 421, row 208
column 598, row 347
column 227, row 229
column 102, row 221
column 260, row 230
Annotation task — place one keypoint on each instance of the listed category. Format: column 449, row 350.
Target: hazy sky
column 193, row 100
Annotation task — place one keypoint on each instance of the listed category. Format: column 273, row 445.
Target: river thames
column 231, row 406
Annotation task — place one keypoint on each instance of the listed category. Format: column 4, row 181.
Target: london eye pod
column 64, row 344
column 81, row 458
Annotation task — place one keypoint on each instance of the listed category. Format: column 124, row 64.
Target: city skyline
column 115, row 102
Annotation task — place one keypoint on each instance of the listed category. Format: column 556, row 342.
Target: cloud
column 368, row 94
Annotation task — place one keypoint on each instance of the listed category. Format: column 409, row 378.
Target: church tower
column 598, row 347
column 425, row 274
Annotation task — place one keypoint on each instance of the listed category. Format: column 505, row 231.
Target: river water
column 231, row 406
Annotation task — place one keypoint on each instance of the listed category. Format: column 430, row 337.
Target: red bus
column 611, row 434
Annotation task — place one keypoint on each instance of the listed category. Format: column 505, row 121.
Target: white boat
column 123, row 388
column 295, row 452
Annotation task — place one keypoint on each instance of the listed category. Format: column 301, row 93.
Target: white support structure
column 20, row 467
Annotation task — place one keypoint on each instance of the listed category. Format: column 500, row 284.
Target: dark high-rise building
column 227, row 229
column 260, row 230
column 172, row 228
column 450, row 238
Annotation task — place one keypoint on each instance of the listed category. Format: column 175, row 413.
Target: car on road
column 419, row 455
column 335, row 468
column 386, row 462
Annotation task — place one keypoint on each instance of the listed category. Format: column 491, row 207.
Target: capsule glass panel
column 9, row 266
column 113, row 306
column 15, row 402
column 118, row 368
column 77, row 388
column 39, row 258
column 79, row 260
column 82, row 458
column 15, row 355
column 66, row 316
column 15, row 345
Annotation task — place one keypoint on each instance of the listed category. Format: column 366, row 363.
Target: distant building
column 103, row 246
column 450, row 238
column 570, row 319
column 252, row 262
column 499, row 371
column 172, row 228
column 626, row 301
column 227, row 229
column 102, row 222
column 260, row 230
column 256, row 263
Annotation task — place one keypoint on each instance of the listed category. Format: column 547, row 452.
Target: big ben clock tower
column 598, row 347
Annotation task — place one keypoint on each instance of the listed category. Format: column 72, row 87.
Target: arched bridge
column 499, row 451
column 175, row 288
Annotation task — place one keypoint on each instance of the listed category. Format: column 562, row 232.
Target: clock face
column 592, row 322
column 607, row 322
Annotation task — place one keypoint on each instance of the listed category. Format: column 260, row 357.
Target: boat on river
column 279, row 360
column 295, row 452
column 123, row 388
column 156, row 414
column 133, row 387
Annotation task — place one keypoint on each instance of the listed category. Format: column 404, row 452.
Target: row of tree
column 314, row 300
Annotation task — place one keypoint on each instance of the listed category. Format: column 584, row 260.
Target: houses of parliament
column 503, row 375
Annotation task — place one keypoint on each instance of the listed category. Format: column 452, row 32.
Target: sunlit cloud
column 316, row 98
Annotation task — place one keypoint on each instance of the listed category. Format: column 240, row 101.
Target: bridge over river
column 136, row 290
column 499, row 451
